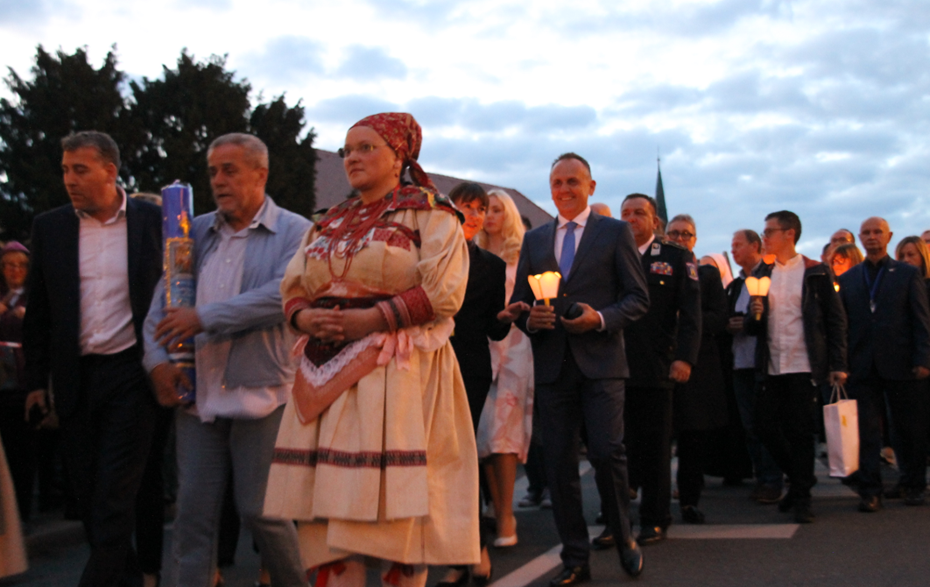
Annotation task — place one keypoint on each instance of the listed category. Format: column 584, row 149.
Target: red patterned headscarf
column 401, row 131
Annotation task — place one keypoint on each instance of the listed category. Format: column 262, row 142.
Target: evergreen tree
column 65, row 94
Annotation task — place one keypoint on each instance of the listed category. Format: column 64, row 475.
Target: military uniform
column 670, row 331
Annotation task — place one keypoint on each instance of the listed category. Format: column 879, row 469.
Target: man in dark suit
column 661, row 349
column 580, row 364
column 889, row 350
column 95, row 264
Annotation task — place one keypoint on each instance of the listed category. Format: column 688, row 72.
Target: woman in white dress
column 507, row 419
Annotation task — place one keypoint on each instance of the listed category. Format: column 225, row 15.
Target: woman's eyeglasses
column 363, row 149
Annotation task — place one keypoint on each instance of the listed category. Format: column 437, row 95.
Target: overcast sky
column 820, row 107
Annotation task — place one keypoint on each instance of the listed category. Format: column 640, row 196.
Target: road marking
column 732, row 531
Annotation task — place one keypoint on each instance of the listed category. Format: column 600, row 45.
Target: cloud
column 368, row 63
column 18, row 12
column 346, row 110
column 286, row 59
column 219, row 5
column 509, row 115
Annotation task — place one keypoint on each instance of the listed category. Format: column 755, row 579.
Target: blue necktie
column 568, row 250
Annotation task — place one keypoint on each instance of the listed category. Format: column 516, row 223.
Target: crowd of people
column 368, row 381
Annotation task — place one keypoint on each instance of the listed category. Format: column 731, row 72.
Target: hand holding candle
column 545, row 287
column 758, row 288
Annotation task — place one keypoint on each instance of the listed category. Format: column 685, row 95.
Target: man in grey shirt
column 244, row 374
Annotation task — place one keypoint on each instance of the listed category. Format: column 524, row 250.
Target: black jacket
column 894, row 338
column 476, row 321
column 51, row 327
column 671, row 329
column 824, row 322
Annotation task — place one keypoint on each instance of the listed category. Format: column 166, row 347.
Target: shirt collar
column 645, row 247
column 881, row 262
column 743, row 274
column 580, row 220
column 120, row 214
column 264, row 217
column 792, row 262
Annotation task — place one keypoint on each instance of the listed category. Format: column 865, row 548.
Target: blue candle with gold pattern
column 177, row 213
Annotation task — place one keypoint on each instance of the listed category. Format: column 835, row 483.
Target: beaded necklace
column 357, row 220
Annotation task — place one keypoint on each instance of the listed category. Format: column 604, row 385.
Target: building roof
column 332, row 187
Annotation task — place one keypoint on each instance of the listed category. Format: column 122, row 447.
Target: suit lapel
column 549, row 262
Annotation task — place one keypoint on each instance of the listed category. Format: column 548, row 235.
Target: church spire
column 660, row 194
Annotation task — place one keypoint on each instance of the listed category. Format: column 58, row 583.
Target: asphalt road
column 742, row 544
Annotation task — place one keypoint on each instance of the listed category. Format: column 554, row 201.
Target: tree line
column 163, row 127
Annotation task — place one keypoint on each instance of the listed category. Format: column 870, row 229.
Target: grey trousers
column 206, row 453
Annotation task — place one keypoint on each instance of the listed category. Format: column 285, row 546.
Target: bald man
column 889, row 357
column 601, row 209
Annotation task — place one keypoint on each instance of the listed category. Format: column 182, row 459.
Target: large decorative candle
column 177, row 213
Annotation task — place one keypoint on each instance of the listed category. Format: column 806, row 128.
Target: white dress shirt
column 103, row 266
column 787, row 348
column 744, row 346
column 645, row 247
column 220, row 278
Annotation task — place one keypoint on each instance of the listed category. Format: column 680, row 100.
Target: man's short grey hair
column 255, row 150
column 684, row 218
column 101, row 141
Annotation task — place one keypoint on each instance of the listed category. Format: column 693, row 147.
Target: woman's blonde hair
column 922, row 250
column 512, row 228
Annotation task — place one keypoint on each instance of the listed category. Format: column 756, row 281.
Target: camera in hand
column 573, row 311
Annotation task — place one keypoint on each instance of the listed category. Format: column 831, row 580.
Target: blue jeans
column 206, row 453
column 744, row 387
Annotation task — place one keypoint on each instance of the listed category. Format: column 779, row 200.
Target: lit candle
column 545, row 286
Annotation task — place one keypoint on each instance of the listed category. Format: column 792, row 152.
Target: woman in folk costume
column 376, row 455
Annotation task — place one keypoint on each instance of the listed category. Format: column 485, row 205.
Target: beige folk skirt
column 389, row 470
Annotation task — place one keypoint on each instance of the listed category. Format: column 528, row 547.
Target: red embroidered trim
column 294, row 305
column 414, row 307
column 392, row 577
column 350, row 460
column 390, row 316
column 324, row 572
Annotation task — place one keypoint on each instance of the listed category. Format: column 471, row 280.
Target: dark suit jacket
column 701, row 403
column 606, row 275
column 671, row 329
column 477, row 320
column 824, row 322
column 896, row 338
column 52, row 323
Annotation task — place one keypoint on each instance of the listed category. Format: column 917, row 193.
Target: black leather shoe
column 482, row 580
column 692, row 515
column 802, row 511
column 914, row 497
column 896, row 492
column 458, row 582
column 571, row 576
column 650, row 535
column 604, row 541
column 786, row 503
column 631, row 559
column 869, row 504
